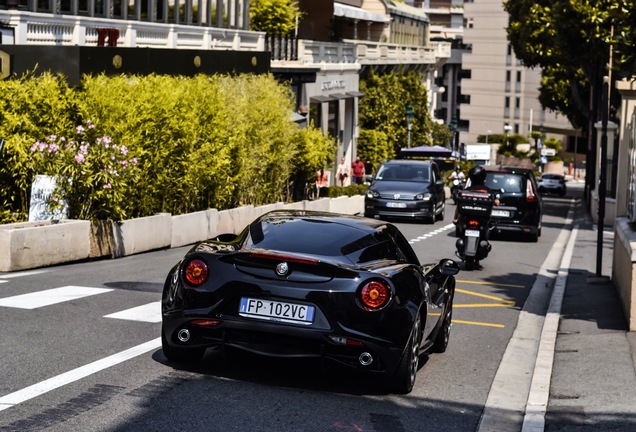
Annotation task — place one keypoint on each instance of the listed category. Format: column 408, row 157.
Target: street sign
column 548, row 152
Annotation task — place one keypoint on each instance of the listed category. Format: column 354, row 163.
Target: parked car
column 552, row 183
column 302, row 284
column 406, row 189
column 520, row 209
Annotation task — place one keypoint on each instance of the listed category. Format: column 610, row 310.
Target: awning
column 346, row 11
column 321, row 99
column 355, row 94
column 335, row 96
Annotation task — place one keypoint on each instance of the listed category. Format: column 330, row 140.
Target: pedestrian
column 322, row 179
column 357, row 171
column 369, row 171
column 343, row 172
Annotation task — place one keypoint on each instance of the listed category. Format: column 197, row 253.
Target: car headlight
column 423, row 196
column 372, row 194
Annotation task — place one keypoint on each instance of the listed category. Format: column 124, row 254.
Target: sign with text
column 42, row 198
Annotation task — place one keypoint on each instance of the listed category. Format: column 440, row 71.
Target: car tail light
column 196, row 272
column 375, row 295
column 531, row 196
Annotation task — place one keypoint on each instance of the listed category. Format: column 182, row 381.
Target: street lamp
column 409, row 121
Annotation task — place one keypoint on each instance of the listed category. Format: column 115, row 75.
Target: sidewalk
column 593, row 383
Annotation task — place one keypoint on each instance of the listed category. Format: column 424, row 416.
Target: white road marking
column 150, row 312
column 432, row 233
column 55, row 382
column 49, row 297
column 20, row 274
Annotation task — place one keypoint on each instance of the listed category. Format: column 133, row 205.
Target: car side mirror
column 448, row 267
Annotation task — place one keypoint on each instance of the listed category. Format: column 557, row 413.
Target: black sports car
column 311, row 284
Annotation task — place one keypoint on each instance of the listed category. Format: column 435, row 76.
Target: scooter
column 473, row 224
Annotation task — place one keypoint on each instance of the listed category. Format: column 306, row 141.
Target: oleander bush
column 181, row 144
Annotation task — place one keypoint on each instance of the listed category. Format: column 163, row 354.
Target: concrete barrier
column 37, row 244
column 235, row 220
column 27, row 245
column 194, row 227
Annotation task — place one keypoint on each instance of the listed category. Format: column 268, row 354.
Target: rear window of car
column 403, row 172
column 316, row 237
column 551, row 177
column 508, row 182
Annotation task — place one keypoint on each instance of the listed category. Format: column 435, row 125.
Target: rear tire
column 180, row 355
column 403, row 380
column 470, row 263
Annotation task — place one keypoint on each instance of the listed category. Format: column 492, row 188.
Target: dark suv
column 406, row 189
column 520, row 209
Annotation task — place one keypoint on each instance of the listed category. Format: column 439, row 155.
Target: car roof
column 508, row 169
column 414, row 162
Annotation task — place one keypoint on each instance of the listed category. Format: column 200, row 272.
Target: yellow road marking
column 490, row 283
column 478, row 323
column 499, row 299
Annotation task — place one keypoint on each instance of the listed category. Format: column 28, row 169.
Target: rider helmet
column 477, row 175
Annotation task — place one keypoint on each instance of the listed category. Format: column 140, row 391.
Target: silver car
column 552, row 183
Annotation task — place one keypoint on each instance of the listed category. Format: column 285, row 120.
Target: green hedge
column 155, row 144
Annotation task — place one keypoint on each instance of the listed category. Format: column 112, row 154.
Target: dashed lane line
column 432, row 233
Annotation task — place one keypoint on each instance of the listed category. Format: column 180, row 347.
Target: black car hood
column 400, row 187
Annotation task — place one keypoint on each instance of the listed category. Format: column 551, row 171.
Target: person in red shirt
column 357, row 171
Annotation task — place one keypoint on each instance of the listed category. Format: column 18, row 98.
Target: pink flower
column 108, row 186
column 53, row 148
column 124, row 150
column 80, row 158
column 79, row 129
column 90, row 124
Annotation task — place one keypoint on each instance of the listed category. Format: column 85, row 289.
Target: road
column 81, row 352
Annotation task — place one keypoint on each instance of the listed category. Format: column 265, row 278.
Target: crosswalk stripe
column 150, row 312
column 49, row 297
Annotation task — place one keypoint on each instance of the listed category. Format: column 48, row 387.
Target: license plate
column 276, row 311
column 396, row 205
column 472, row 233
column 500, row 213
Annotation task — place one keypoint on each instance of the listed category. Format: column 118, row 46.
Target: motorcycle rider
column 457, row 174
column 477, row 183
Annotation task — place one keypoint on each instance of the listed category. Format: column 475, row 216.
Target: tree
column 277, row 17
column 569, row 40
column 383, row 110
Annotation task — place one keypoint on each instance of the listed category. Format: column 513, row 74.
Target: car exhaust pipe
column 184, row 335
column 365, row 359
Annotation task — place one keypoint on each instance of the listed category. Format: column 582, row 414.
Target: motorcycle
column 472, row 227
column 456, row 186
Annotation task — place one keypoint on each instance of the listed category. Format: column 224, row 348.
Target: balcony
column 35, row 28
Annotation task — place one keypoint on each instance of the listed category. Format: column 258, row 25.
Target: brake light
column 473, row 223
column 375, row 295
column 531, row 196
column 196, row 272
